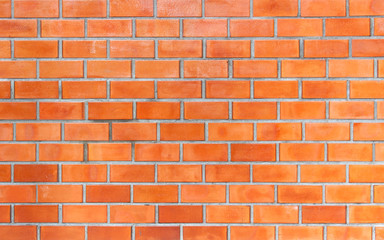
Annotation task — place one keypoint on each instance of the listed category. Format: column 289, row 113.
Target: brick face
column 191, row 119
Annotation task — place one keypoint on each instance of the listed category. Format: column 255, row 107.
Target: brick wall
column 191, row 119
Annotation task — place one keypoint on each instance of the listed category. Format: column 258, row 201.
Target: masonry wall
column 191, row 119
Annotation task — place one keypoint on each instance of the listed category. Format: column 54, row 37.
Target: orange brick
column 132, row 89
column 276, row 214
column 205, row 152
column 323, row 8
column 179, row 89
column 205, row 69
column 368, row 131
column 206, row 110
column 180, row 214
column 228, row 8
column 132, row 48
column 38, row 131
column 324, row 214
column 36, row 9
column 254, row 69
column 132, row 173
column 203, row 193
column 366, row 89
column 86, row 131
column 327, row 131
column 366, row 214
column 254, row 110
column 253, row 152
column 351, row 110
column 278, row 131
column 133, row 131
column 84, row 48
column 230, row 131
column 228, row 214
column 108, row 193
column 109, row 152
column 366, row 173
column 17, row 69
column 5, row 173
column 84, row 214
column 177, row 8
column 179, row 173
column 180, row 48
column 379, row 152
column 347, row 194
column 347, row 27
column 228, row 48
column 351, row 68
column 89, row 8
column 275, row 8
column 205, row 28
column 19, row 232
column 302, row 152
column 18, row 194
column 158, row 110
column 84, row 173
column 157, row 28
column 132, row 214
column 379, row 26
column 276, row 89
column 367, row 47
column 380, row 68
column 6, row 132
column 303, row 68
column 326, row 48
column 302, row 110
column 131, row 8
column 181, row 131
column 349, row 152
column 251, row 27
column 34, row 214
column 378, row 194
column 299, row 194
column 36, row 49
column 324, row 89
column 61, row 69
column 363, row 233
column 109, row 69
column 18, row 28
column 204, row 232
column 84, row 89
column 17, row 152
column 227, row 173
column 323, row 173
column 109, row 28
column 62, row 232
column 155, row 193
column 276, row 48
column 156, row 152
column 111, row 233
column 300, row 27
column 228, row 89
column 61, row 152
column 274, row 173
column 157, row 232
column 62, row 28
column 36, row 89
column 251, row 194
column 5, row 49
column 35, row 173
column 109, row 110
column 252, row 232
column 5, row 8
column 363, row 7
column 157, row 69
column 60, row 193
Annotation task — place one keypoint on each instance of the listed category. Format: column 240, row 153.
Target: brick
column 227, row 89
column 367, row 47
column 275, row 8
column 86, row 131
column 326, row 48
column 38, row 131
column 302, row 152
column 380, row 68
column 19, row 232
column 276, row 89
column 324, row 89
column 205, row 28
column 227, row 173
column 300, row 27
column 18, row 28
column 323, row 173
column 274, row 173
column 133, row 131
column 157, row 69
column 155, row 193
column 61, row 69
column 5, row 173
column 32, row 213
column 17, row 194
column 179, row 89
column 62, row 28
column 5, row 216
column 366, row 214
column 109, row 110
column 109, row 152
column 253, row 152
column 276, row 214
column 366, row 89
column 276, row 48
column 132, row 173
column 254, row 69
column 89, row 8
column 132, row 89
column 230, row 131
column 157, row 28
column 363, row 233
column 6, row 8
column 303, row 68
column 179, row 173
column 158, row 110
column 378, row 194
column 84, row 214
column 366, row 173
column 252, row 232
column 254, row 110
column 228, row 8
column 379, row 152
column 278, row 131
column 228, row 48
column 109, row 28
column 17, row 69
column 132, row 214
column 327, row 131
column 349, row 152
column 131, row 8
column 36, row 9
column 17, row 152
column 302, row 110
column 205, row 152
column 180, row 214
column 351, row 68
column 203, row 193
column 181, row 131
column 158, row 233
column 156, row 152
column 62, row 232
column 177, row 8
column 206, row 110
column 347, row 194
column 108, row 193
column 228, row 214
column 84, row 173
column 84, row 48
column 351, row 110
column 109, row 69
column 379, row 27
column 180, row 48
column 112, row 233
column 84, row 89
column 60, row 193
column 5, row 49
column 35, row 173
column 299, row 194
column 362, row 8
column 6, row 132
column 36, row 49
column 132, row 48
column 204, row 232
column 251, row 194
column 205, row 69
column 347, row 27
column 324, row 214
column 60, row 152
column 36, row 89
column 251, row 28
column 323, row 8
column 368, row 131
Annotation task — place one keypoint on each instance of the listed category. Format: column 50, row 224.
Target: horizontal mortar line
column 191, row 141
column 323, row 184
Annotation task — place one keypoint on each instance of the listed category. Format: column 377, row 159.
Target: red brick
column 363, row 7
column 157, row 69
column 157, row 28
column 227, row 8
column 276, row 48
column 131, row 8
column 89, row 8
column 84, row 173
column 86, row 131
column 251, row 194
column 108, row 193
column 18, row 28
column 251, row 28
column 132, row 89
column 158, row 233
column 84, row 48
column 158, row 110
column 326, row 48
column 18, row 194
column 109, row 232
column 109, row 28
column 278, row 131
column 228, row 214
column 323, row 8
column 36, row 89
column 299, row 194
column 275, row 8
column 324, row 89
column 109, row 152
column 351, row 110
column 206, row 110
column 276, row 89
column 302, row 152
column 17, row 69
column 276, row 214
column 109, row 69
column 228, row 48
column 227, row 173
column 303, row 68
column 205, row 152
column 60, row 193
column 180, row 48
column 132, row 214
column 6, row 132
column 179, row 8
column 302, row 110
column 274, row 173
column 38, row 131
column 34, row 214
column 62, row 28
column 179, row 89
column 204, row 232
column 84, row 214
column 323, row 173
column 61, row 152
column 179, row 173
column 254, row 69
column 205, row 69
column 132, row 173
column 203, row 193
column 327, row 131
column 17, row 152
column 252, row 232
column 19, row 232
column 227, row 89
column 62, row 232
column 133, row 131
column 84, row 89
column 205, row 28
column 324, row 214
column 132, row 48
column 156, row 152
column 181, row 131
column 351, row 68
column 300, row 27
column 61, row 110
column 253, row 152
column 180, row 214
column 347, row 27
column 349, row 152
column 347, row 194
column 367, row 47
column 230, row 131
column 155, row 193
column 5, row 8
column 36, row 49
column 35, row 173
column 61, row 69
column 363, row 233
column 109, row 110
